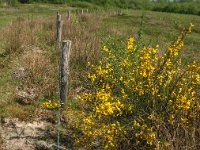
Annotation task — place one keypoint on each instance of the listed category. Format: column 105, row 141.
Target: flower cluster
column 136, row 96
column 130, row 46
column 50, row 104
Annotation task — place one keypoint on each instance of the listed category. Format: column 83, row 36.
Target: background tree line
column 175, row 6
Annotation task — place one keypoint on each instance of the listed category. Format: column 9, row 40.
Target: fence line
column 58, row 40
column 64, row 51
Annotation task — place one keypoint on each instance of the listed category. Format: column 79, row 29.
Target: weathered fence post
column 58, row 31
column 82, row 11
column 77, row 12
column 64, row 69
column 68, row 14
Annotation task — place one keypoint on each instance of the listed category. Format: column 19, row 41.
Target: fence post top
column 66, row 41
column 58, row 16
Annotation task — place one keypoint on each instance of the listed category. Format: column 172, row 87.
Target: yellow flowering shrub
column 51, row 104
column 138, row 98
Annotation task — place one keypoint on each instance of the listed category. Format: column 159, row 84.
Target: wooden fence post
column 58, row 30
column 77, row 12
column 82, row 11
column 64, row 69
column 68, row 15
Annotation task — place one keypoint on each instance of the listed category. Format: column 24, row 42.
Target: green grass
column 7, row 14
column 157, row 28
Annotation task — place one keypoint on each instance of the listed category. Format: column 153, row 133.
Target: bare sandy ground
column 21, row 135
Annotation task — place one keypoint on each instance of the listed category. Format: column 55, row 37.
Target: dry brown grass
column 30, row 44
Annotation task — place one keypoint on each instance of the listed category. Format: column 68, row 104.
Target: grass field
column 156, row 28
column 28, row 41
column 28, row 11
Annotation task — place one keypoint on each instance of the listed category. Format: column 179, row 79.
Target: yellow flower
column 50, row 104
column 105, row 49
column 92, row 77
column 130, row 45
column 190, row 27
